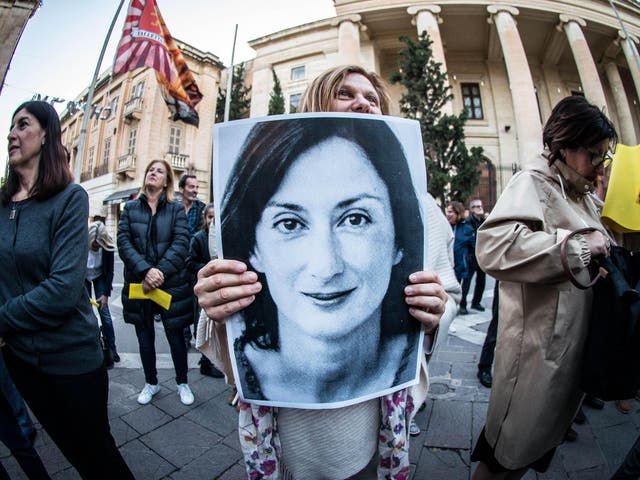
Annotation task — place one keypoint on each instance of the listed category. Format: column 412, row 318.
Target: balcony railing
column 127, row 163
column 84, row 176
column 100, row 170
column 133, row 108
column 178, row 161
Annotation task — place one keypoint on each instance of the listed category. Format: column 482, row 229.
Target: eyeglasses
column 476, row 206
column 598, row 158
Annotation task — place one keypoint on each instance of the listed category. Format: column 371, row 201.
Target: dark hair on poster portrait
column 267, row 155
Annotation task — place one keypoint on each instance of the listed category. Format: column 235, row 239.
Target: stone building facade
column 14, row 15
column 509, row 62
column 131, row 125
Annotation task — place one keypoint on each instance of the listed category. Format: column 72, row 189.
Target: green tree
column 240, row 100
column 452, row 169
column 276, row 99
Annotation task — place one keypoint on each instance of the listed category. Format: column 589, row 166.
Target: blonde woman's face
column 156, row 177
column 356, row 94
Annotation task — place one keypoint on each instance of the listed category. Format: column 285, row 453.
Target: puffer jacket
column 160, row 241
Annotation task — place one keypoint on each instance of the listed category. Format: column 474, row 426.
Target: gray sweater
column 45, row 315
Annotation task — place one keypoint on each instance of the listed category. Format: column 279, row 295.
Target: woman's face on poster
column 326, row 241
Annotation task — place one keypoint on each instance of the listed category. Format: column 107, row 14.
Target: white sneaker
column 186, row 397
column 147, row 392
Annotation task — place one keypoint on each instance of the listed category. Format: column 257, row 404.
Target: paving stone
column 422, row 420
column 144, row 462
column 211, row 464
column 450, row 425
column 555, row 471
column 438, row 368
column 606, row 417
column 51, row 456
column 466, row 370
column 597, row 473
column 457, row 358
column 120, row 391
column 122, row 432
column 67, row 474
column 236, row 472
column 583, row 454
column 215, row 415
column 615, row 442
column 147, row 418
column 464, row 393
column 443, row 464
column 181, row 441
column 233, row 441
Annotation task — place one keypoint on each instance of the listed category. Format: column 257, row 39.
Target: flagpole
column 227, row 101
column 87, row 106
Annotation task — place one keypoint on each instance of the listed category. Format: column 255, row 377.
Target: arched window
column 486, row 189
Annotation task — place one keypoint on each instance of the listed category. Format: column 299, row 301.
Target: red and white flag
column 146, row 42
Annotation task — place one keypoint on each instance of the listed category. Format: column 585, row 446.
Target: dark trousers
column 16, row 427
column 481, row 280
column 630, row 468
column 19, row 445
column 146, row 341
column 489, row 346
column 73, row 411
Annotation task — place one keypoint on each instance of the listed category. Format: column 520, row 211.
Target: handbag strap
column 565, row 263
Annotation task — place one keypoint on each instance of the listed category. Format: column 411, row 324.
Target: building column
column 261, row 85
column 631, row 55
column 587, row 70
column 427, row 18
column 627, row 132
column 349, row 39
column 523, row 94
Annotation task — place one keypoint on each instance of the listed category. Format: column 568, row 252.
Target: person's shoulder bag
column 611, row 361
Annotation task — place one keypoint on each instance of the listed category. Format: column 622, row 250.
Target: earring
column 42, row 143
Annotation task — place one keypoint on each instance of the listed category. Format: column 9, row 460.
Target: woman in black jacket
column 153, row 242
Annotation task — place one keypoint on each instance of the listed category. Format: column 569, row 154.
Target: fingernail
column 408, row 290
column 413, row 277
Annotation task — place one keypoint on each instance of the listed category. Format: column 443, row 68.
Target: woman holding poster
column 333, row 244
column 346, row 441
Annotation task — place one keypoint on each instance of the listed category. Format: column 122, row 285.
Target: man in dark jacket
column 100, row 263
column 193, row 208
column 475, row 220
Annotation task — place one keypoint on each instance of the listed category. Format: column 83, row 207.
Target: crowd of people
column 55, row 356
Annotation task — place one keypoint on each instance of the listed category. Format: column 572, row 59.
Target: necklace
column 13, row 210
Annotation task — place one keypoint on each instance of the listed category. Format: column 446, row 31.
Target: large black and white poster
column 327, row 210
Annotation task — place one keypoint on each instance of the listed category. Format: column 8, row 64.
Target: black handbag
column 611, row 362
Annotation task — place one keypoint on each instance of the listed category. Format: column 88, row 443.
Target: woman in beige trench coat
column 543, row 317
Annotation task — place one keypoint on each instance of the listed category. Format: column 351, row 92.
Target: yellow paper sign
column 621, row 209
column 156, row 295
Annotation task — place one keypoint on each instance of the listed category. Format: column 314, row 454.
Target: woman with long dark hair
column 53, row 350
column 331, row 242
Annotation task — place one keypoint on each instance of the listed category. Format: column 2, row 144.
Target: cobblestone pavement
column 167, row 440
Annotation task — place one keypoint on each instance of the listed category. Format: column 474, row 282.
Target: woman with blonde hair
column 355, row 440
column 153, row 242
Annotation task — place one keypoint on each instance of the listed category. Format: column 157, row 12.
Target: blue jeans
column 146, row 341
column 100, row 289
